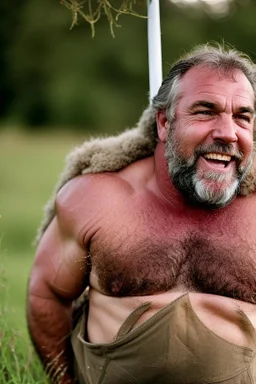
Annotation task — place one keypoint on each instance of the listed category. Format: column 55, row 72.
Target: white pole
column 154, row 48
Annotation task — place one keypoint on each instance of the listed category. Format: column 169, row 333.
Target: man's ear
column 162, row 125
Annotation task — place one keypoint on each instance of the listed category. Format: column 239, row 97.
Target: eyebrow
column 247, row 110
column 212, row 105
column 204, row 103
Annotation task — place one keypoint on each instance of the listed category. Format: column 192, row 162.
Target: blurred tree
column 8, row 23
column 60, row 78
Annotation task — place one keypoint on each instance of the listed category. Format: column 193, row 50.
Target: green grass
column 29, row 168
column 18, row 361
column 28, row 172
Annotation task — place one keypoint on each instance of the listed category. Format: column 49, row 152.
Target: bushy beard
column 192, row 185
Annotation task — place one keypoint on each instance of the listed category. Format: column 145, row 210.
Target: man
column 166, row 246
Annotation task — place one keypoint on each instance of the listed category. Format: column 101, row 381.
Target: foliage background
column 56, row 77
column 58, row 86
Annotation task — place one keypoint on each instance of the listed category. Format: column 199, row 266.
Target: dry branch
column 92, row 10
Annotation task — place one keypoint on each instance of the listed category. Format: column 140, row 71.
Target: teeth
column 217, row 156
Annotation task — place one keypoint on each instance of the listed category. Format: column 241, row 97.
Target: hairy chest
column 147, row 253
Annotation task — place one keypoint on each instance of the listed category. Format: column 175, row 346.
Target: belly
column 221, row 315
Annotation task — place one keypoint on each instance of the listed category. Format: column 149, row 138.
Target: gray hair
column 225, row 59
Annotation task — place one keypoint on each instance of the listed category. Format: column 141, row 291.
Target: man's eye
column 205, row 113
column 244, row 118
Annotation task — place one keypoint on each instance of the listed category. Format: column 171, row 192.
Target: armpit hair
column 114, row 153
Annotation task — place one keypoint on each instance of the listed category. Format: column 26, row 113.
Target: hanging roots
column 91, row 11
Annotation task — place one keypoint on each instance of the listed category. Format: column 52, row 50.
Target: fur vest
column 114, row 153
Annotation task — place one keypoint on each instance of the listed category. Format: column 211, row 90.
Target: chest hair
column 144, row 265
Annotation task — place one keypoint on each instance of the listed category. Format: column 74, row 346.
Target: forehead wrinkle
column 225, row 94
column 211, row 87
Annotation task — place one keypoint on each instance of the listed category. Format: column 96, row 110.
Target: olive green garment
column 172, row 347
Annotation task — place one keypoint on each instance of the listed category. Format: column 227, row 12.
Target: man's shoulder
column 127, row 180
column 86, row 201
column 89, row 186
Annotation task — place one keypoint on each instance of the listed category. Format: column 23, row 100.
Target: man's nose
column 225, row 130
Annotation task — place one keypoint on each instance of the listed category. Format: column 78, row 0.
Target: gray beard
column 187, row 180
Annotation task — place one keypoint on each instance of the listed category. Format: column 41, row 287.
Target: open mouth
column 218, row 159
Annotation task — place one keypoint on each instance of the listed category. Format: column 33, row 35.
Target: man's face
column 209, row 145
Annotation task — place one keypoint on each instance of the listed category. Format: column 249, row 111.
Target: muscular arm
column 57, row 278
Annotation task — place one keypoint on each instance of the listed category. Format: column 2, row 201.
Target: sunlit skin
column 139, row 228
column 213, row 109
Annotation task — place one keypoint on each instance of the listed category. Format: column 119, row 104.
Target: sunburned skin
column 145, row 249
column 214, row 116
column 147, row 243
column 132, row 236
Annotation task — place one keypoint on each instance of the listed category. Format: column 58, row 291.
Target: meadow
column 29, row 168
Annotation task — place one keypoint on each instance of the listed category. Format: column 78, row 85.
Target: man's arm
column 58, row 277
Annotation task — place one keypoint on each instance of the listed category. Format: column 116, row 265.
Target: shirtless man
column 166, row 246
